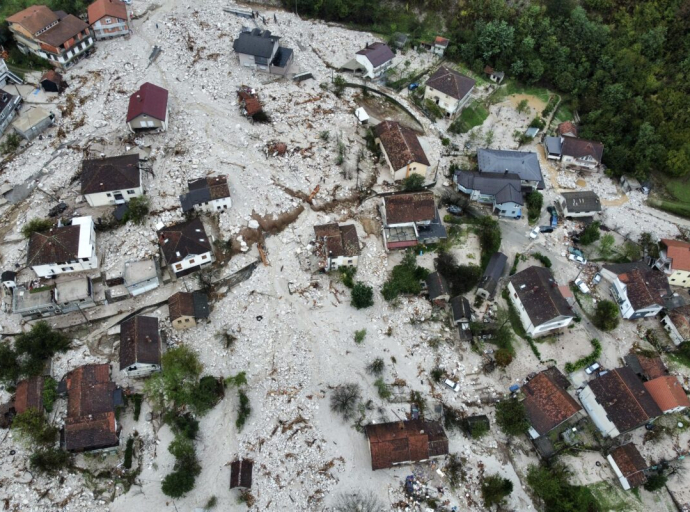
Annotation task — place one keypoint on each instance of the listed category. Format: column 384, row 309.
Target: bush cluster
column 587, row 360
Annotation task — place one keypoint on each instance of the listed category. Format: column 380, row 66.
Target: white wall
column 597, row 413
column 672, row 331
column 342, row 261
column 216, row 205
column 141, row 370
column 535, row 330
column 193, row 261
column 108, row 198
column 587, row 162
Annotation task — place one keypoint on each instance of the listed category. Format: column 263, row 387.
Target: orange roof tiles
column 667, row 392
column 679, row 252
column 547, row 403
column 102, row 8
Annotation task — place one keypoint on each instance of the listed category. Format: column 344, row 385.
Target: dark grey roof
column 553, row 145
column 5, row 99
column 283, row 56
column 433, row 230
column 436, row 285
column 494, row 271
column 201, row 309
column 462, row 311
column 8, row 275
column 580, row 202
column 504, row 187
column 193, row 197
column 120, row 212
column 256, row 42
column 523, row 163
column 377, row 54
column 539, row 294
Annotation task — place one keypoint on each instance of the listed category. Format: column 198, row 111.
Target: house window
column 225, row 206
column 203, row 257
column 186, row 320
column 130, row 192
column 178, row 266
column 349, row 262
column 515, row 295
column 107, row 21
column 109, row 194
column 66, row 269
column 191, row 262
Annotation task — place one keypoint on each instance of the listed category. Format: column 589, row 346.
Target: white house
column 148, row 108
column 186, row 247
column 108, row 19
column 63, row 249
column 337, row 246
column 140, row 346
column 580, row 204
column 449, row 89
column 376, row 58
column 111, row 181
column 638, row 290
column 402, row 150
column 209, row 194
column 581, row 153
column 260, row 50
column 539, row 302
column 677, row 324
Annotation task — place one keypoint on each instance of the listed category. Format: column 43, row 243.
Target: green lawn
column 513, row 87
column 563, row 113
column 612, row 497
column 674, row 207
column 473, row 115
column 680, row 189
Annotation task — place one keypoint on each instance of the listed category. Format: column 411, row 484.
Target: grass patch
column 473, row 115
column 587, row 360
column 613, row 498
column 680, row 358
column 360, row 335
column 512, row 87
column 563, row 114
column 674, row 207
column 679, row 189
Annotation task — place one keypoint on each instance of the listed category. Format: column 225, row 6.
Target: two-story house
column 9, row 105
column 108, row 19
column 140, row 346
column 580, row 204
column 410, row 219
column 401, row 149
column 8, row 76
column 186, row 308
column 523, row 163
column 573, row 152
column 210, row 194
column 449, row 89
column 111, row 181
column 539, row 302
column 260, row 50
column 638, row 290
column 336, row 246
column 53, row 35
column 502, row 191
column 674, row 261
column 376, row 58
column 64, row 249
column 186, row 247
column 148, row 108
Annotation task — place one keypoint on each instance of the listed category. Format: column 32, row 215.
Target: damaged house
column 187, row 308
column 405, row 442
column 492, row 275
column 259, row 49
column 108, row 19
column 148, row 109
column 140, row 346
column 250, row 106
column 437, row 289
column 462, row 316
column 525, row 164
column 64, row 249
column 674, row 261
column 638, row 290
column 52, row 81
column 336, row 246
column 91, row 401
column 210, row 194
column 449, row 89
column 668, row 393
column 402, row 150
column 677, row 324
column 53, row 298
column 502, row 191
column 111, row 181
column 580, row 204
column 410, row 219
column 9, row 106
column 185, row 247
column 371, row 61
column 628, row 465
column 29, row 394
column 573, row 152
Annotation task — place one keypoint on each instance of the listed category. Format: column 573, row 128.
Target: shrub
column 376, row 366
column 11, row 144
column 325, row 135
column 522, row 106
column 405, row 278
column 413, row 183
column 437, row 374
column 38, row 345
column 511, row 417
column 461, row 278
column 590, row 234
column 36, row 226
column 137, row 406
column 606, row 315
column 339, row 85
column 550, row 484
column 129, row 452
column 344, row 399
column 503, row 357
column 655, row 482
column 243, row 411
column 347, row 275
column 137, row 210
column 183, row 424
column 606, row 245
column 33, row 428
column 362, row 296
column 358, row 501
column 495, row 489
column 454, row 471
column 237, row 380
column 211, row 503
column 206, row 395
column 382, row 389
column 360, row 335
column 544, row 260
column 49, row 393
column 49, row 460
column 534, row 201
column 178, row 483
column 587, row 360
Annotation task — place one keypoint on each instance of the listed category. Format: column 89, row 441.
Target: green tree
column 590, row 234
column 137, row 210
column 655, row 482
column 606, row 246
column 339, row 85
column 9, row 365
column 511, row 417
column 631, row 251
column 405, row 277
column 32, row 427
column 37, row 346
column 503, row 357
column 362, row 296
column 495, row 490
column 535, row 201
column 49, row 460
column 36, row 226
column 178, row 483
column 551, row 485
column 461, row 278
column 606, row 315
column 174, row 386
column 413, row 183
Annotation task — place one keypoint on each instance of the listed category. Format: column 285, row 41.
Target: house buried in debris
column 401, row 149
column 148, row 108
column 674, row 261
column 29, row 395
column 638, row 290
column 492, row 274
column 404, row 442
column 437, row 289
column 677, row 324
column 53, row 298
column 580, row 204
column 462, row 316
column 449, row 89
column 140, row 346
column 241, row 474
column 210, row 194
column 336, row 246
column 52, row 81
column 250, row 106
column 111, row 181
column 260, row 50
column 91, row 401
column 186, row 308
column 185, row 247
column 411, row 219
column 628, row 465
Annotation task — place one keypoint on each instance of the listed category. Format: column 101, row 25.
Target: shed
column 52, row 81
column 362, row 115
column 241, row 473
column 493, row 272
column 32, row 123
column 628, row 465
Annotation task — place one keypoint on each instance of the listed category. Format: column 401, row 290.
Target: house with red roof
column 108, row 18
column 148, row 108
column 668, row 393
column 628, row 465
column 674, row 261
column 401, row 149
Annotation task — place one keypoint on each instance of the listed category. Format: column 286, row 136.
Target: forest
column 624, row 65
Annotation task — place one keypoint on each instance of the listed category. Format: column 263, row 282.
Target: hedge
column 587, row 360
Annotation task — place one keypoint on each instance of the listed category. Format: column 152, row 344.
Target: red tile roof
column 630, row 463
column 441, row 41
column 547, row 403
column 102, row 8
column 34, row 18
column 400, row 144
column 140, row 341
column 567, row 127
column 667, row 392
column 679, row 252
column 150, row 100
column 405, row 441
column 404, row 208
column 29, row 395
column 91, row 432
column 89, row 390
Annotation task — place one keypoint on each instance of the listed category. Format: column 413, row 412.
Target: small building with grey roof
column 372, row 61
column 140, row 346
column 523, row 163
column 462, row 316
column 492, row 274
column 210, row 194
column 259, row 49
column 580, row 204
column 502, row 191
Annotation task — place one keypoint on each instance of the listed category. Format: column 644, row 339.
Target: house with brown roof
column 91, row 401
column 411, row 219
column 618, row 402
column 336, row 246
column 241, row 474
column 187, row 308
column 548, row 403
column 53, row 35
column 52, row 81
column 405, row 442
column 108, row 19
column 402, row 150
column 542, row 308
column 374, row 60
column 29, row 394
column 567, row 129
column 668, row 393
column 628, row 465
column 449, row 89
column 638, row 290
column 63, row 249
column 677, row 324
column 140, row 346
column 581, row 153
column 210, row 194
column 148, row 108
column 186, row 247
column 250, row 106
column 111, row 181
column 674, row 261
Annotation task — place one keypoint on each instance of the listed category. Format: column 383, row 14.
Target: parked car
column 546, row 229
column 413, row 86
column 454, row 210
column 551, row 210
column 593, row 368
column 455, row 386
column 577, row 258
column 597, row 278
column 534, row 233
column 581, row 285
